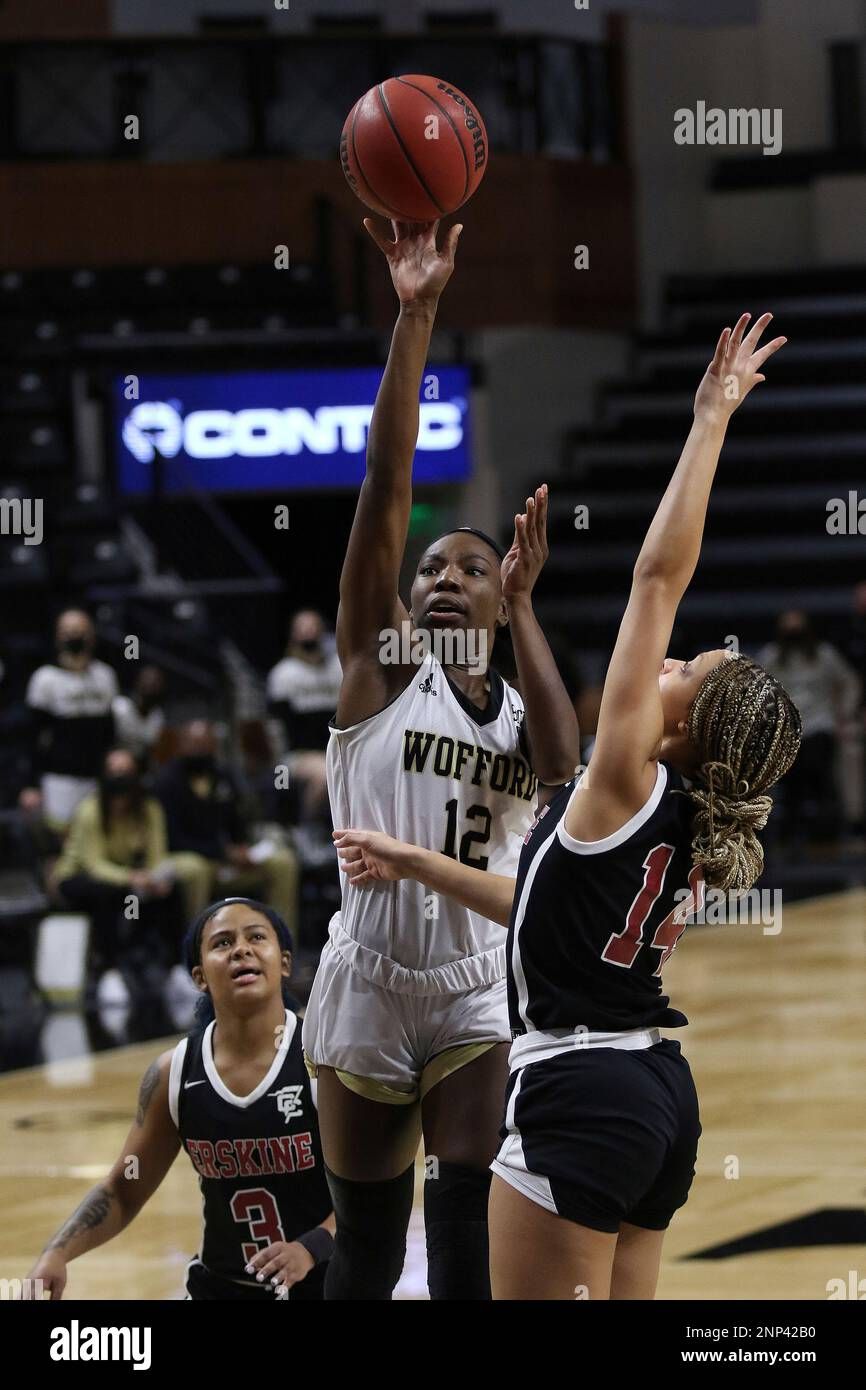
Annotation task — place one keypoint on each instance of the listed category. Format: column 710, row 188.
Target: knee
column 370, row 1247
column 455, row 1215
column 456, row 1191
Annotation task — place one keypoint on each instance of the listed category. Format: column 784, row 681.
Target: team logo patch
column 288, row 1100
column 542, row 813
column 426, row 686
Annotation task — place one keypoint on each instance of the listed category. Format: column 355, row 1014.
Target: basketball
column 413, row 148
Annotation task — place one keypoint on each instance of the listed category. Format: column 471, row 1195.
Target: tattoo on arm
column 149, row 1083
column 92, row 1212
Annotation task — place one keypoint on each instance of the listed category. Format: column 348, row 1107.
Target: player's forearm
column 99, row 1217
column 491, row 895
column 394, row 427
column 672, row 546
column 551, row 721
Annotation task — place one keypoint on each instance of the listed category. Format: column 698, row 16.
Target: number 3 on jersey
column 256, row 1208
column 623, row 947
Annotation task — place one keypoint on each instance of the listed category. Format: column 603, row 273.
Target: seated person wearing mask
column 115, row 867
column 207, row 835
column 303, row 690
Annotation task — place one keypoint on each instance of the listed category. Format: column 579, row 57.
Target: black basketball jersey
column 593, row 924
column 258, row 1157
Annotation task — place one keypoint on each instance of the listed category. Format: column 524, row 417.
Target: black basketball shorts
column 603, row 1135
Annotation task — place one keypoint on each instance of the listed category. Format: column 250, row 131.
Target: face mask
column 73, row 645
column 310, row 644
column 199, row 763
column 119, row 786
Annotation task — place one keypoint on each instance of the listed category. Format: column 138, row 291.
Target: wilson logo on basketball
column 470, row 120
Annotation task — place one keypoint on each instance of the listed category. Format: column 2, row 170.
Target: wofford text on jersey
column 252, row 1158
column 453, row 757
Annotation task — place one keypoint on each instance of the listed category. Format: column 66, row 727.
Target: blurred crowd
column 137, row 820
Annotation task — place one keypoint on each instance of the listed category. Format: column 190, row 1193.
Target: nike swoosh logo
column 187, row 1084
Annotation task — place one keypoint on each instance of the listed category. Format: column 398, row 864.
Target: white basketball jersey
column 432, row 769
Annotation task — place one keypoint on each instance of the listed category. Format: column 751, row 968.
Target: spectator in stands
column 302, row 692
column 826, row 691
column 855, row 644
column 14, row 743
column 117, row 850
column 139, row 718
column 72, row 724
column 207, row 834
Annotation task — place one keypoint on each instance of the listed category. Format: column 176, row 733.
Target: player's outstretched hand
column 51, row 1269
column 525, row 560
column 371, row 856
column 735, row 369
column 281, row 1265
column 420, row 272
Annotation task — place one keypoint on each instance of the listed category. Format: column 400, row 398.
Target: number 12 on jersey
column 479, row 836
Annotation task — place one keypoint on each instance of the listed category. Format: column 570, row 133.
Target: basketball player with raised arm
column 406, row 1027
column 601, row 1119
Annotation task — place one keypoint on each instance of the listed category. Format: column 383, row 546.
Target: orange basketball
column 414, row 148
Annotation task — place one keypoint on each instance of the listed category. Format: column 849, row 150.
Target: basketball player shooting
column 601, row 1124
column 406, row 1026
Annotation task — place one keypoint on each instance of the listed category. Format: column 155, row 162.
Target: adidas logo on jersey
column 426, row 686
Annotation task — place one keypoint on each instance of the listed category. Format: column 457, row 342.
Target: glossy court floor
column 777, row 1043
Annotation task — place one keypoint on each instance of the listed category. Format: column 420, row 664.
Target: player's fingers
column 452, row 237
column 361, row 880
column 737, row 335
column 535, row 529
column 767, row 350
column 721, row 349
column 542, row 519
column 384, row 245
column 750, row 341
column 261, row 1257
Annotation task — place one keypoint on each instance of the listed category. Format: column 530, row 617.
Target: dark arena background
column 193, row 326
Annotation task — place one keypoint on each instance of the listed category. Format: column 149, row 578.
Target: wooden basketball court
column 777, row 1044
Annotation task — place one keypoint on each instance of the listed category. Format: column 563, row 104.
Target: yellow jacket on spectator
column 132, row 843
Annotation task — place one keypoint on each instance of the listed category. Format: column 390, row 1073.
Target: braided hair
column 748, row 730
